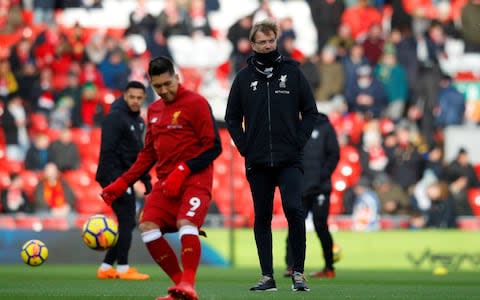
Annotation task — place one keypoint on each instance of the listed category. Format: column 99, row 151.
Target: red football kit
column 182, row 131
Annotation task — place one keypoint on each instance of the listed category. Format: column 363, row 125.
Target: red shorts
column 192, row 204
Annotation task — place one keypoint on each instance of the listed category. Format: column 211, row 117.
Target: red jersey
column 180, row 131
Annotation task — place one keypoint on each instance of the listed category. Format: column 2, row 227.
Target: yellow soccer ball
column 34, row 253
column 337, row 252
column 100, row 232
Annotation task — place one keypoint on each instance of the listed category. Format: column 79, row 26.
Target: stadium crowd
column 383, row 71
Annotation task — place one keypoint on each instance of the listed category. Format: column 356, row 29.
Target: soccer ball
column 337, row 252
column 100, row 232
column 34, row 253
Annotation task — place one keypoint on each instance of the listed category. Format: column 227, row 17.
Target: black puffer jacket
column 122, row 139
column 321, row 156
column 278, row 114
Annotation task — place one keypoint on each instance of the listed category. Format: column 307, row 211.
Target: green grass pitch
column 381, row 265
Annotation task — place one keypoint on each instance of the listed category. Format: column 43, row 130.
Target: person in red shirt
column 182, row 142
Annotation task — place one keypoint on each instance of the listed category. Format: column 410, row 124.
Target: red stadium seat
column 473, row 196
column 30, row 181
column 7, row 222
column 4, row 179
column 29, row 223
column 55, row 223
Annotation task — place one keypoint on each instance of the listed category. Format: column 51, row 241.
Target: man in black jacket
column 322, row 154
column 270, row 115
column 122, row 139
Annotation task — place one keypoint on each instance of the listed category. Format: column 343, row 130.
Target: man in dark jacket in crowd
column 322, row 154
column 270, row 115
column 122, row 139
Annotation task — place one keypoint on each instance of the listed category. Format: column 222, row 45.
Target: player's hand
column 171, row 186
column 114, row 190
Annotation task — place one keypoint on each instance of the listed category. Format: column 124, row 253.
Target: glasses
column 264, row 42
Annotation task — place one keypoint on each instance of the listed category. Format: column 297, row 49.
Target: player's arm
column 234, row 117
column 207, row 131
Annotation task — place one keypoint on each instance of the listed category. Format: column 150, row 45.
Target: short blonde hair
column 264, row 26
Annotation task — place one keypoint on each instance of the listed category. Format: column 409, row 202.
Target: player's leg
column 119, row 252
column 124, row 208
column 262, row 186
column 289, row 181
column 153, row 218
column 195, row 202
column 320, row 212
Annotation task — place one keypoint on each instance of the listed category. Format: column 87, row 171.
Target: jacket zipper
column 269, row 124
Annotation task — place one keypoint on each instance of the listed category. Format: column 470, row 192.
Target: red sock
column 165, row 257
column 191, row 251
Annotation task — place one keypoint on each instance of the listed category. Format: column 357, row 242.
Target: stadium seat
column 29, row 223
column 55, row 223
column 7, row 222
column 4, row 179
column 473, row 196
column 38, row 122
column 336, row 202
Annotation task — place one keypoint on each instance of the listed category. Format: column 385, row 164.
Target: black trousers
column 124, row 208
column 319, row 205
column 263, row 181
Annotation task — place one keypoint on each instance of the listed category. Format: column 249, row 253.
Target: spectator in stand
column 14, row 124
column 366, row 207
column 14, row 199
column 434, row 160
column 373, row 43
column 400, row 20
column 442, row 207
column 44, row 93
column 460, row 175
column 91, row 108
column 430, row 48
column 469, row 21
column 238, row 36
column 332, row 75
column 52, row 194
column 27, row 75
column 360, row 17
column 8, row 82
column 355, row 58
column 37, row 153
column 64, row 152
column 20, row 54
column 141, row 21
column 174, row 20
column 342, row 41
column 451, row 104
column 368, row 95
column 393, row 199
column 394, row 80
column 405, row 164
column 326, row 16
column 90, row 73
column 200, row 23
column 61, row 116
column 157, row 44
column 72, row 95
column 406, row 52
column 95, row 49
column 115, row 70
column 264, row 11
column 373, row 157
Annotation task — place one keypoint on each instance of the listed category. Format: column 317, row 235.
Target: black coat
column 122, row 139
column 263, row 114
column 321, row 156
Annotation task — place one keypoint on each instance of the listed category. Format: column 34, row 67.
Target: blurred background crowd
column 399, row 80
